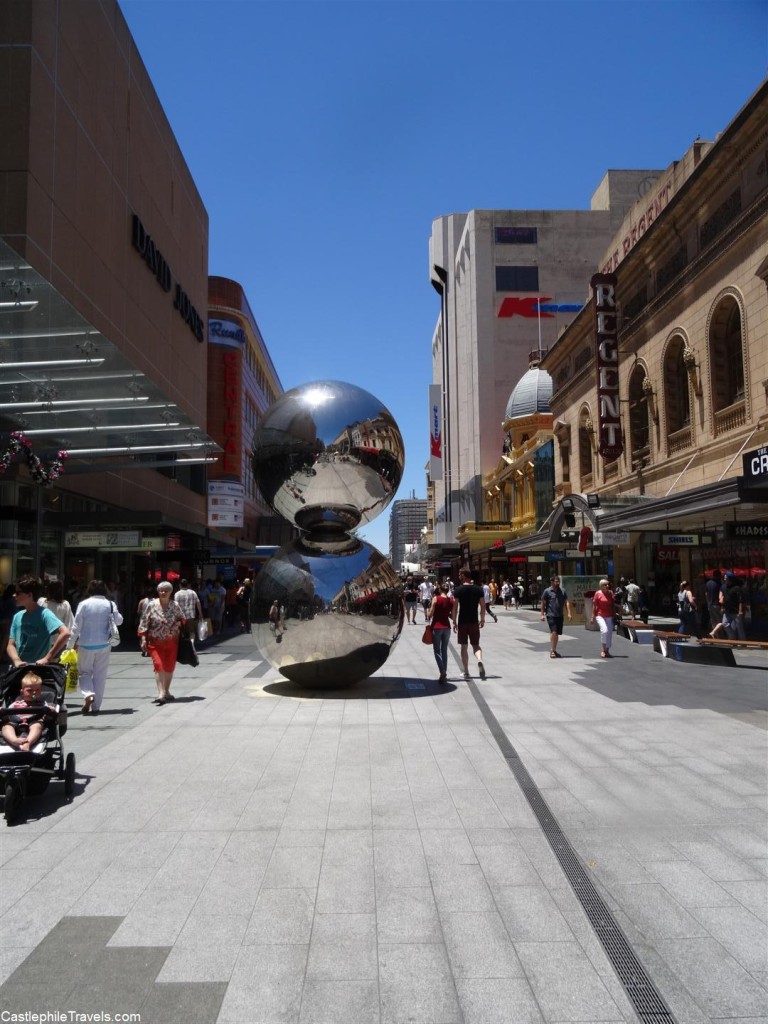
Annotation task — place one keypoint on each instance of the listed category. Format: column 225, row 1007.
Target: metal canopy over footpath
column 68, row 388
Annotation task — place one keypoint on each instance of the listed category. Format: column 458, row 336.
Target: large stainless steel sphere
column 328, row 454
column 326, row 614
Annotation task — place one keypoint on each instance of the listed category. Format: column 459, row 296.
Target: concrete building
column 406, row 521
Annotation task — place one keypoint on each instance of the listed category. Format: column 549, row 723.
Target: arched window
column 585, row 445
column 677, row 398
column 639, row 420
column 565, row 462
column 726, row 355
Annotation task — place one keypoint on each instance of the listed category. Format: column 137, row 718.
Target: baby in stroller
column 23, row 731
column 33, row 720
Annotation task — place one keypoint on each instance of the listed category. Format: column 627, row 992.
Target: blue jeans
column 440, row 638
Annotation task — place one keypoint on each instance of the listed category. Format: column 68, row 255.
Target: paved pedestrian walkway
column 402, row 851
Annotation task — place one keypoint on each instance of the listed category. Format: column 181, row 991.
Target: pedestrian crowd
column 41, row 625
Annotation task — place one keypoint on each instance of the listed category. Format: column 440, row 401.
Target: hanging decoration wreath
column 40, row 474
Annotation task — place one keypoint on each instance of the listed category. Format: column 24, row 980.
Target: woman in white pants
column 602, row 613
column 91, row 638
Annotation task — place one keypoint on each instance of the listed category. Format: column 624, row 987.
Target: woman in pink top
column 602, row 613
column 439, row 615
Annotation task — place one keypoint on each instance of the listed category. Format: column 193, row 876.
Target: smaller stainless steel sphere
column 326, row 614
column 328, row 454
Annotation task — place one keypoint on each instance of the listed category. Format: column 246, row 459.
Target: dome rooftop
column 531, row 394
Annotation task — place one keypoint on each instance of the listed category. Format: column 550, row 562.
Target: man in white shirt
column 425, row 596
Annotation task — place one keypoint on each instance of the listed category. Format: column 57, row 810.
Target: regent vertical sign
column 609, row 444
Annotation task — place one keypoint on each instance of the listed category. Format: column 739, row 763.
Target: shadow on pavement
column 374, row 688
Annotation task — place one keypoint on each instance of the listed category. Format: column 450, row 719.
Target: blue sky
column 325, row 137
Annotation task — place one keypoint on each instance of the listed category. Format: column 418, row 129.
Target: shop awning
column 67, row 387
column 700, row 508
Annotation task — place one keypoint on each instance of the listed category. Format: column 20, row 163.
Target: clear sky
column 325, row 137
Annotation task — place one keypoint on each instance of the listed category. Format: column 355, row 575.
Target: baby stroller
column 27, row 772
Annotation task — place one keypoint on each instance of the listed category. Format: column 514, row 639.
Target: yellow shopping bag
column 69, row 658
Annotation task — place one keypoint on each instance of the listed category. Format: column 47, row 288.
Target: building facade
column 242, row 384
column 509, row 282
column 518, row 491
column 103, row 303
column 406, row 521
column 684, row 393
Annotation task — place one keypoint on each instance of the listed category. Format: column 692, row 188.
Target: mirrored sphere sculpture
column 328, row 453
column 327, row 608
column 340, row 611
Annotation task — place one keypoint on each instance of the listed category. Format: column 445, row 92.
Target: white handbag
column 114, row 632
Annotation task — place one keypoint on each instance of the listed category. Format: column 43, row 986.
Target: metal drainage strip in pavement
column 646, row 1000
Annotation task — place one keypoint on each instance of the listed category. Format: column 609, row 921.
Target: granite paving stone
column 266, row 985
column 416, row 985
column 742, row 934
column 407, row 915
column 498, row 1001
column 721, row 985
column 281, row 916
column 343, row 947
column 339, row 1002
column 479, row 946
column 531, row 914
column 366, row 855
column 564, row 982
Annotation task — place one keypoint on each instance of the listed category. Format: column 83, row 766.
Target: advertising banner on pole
column 225, row 503
column 435, row 432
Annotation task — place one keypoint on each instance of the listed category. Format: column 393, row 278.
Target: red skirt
column 163, row 653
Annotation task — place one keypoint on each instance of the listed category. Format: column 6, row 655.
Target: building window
column 726, row 354
column 677, row 399
column 671, row 269
column 517, row 279
column 583, row 358
column 565, row 463
column 585, row 445
column 721, row 218
column 636, row 304
column 515, row 236
column 639, row 425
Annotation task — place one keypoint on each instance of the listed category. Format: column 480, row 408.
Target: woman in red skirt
column 159, row 629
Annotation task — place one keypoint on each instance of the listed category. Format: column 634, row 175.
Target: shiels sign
column 609, row 443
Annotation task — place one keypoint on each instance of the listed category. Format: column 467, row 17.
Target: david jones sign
column 145, row 246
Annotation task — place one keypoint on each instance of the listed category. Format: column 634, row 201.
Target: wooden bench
column 636, row 630
column 705, row 651
column 739, row 645
column 665, row 642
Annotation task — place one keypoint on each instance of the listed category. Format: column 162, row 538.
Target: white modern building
column 509, row 282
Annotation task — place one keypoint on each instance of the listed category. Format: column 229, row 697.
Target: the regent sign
column 609, row 444
column 144, row 244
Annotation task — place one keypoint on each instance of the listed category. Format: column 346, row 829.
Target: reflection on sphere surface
column 340, row 611
column 328, row 454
